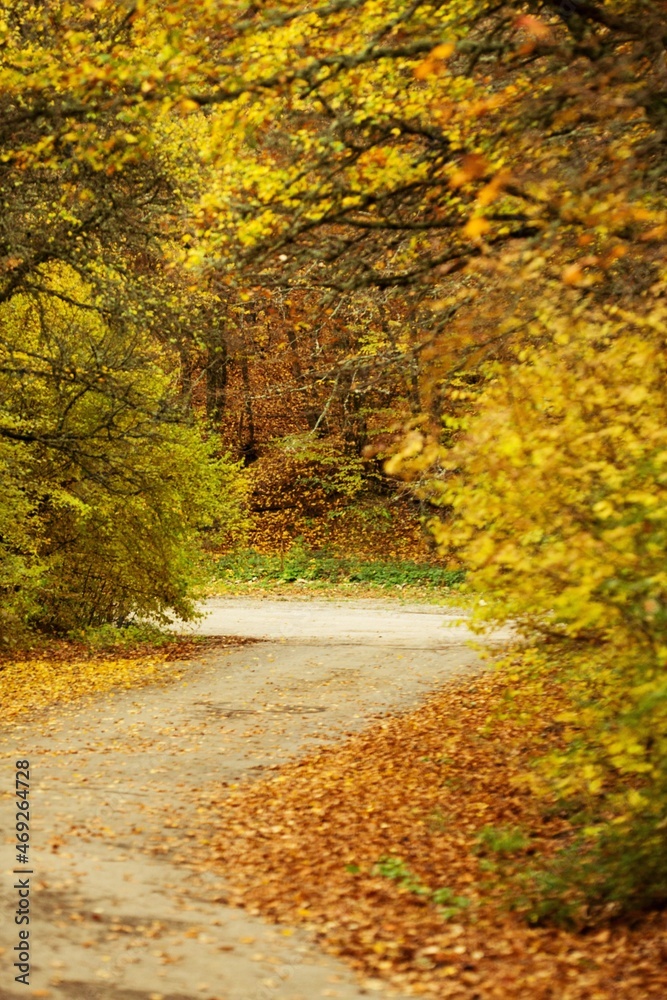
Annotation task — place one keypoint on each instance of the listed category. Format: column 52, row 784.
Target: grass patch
column 298, row 568
column 504, row 841
column 449, row 904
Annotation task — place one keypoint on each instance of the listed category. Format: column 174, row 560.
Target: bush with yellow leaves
column 559, row 497
column 108, row 485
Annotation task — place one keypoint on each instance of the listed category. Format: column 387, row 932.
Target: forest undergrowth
column 300, row 572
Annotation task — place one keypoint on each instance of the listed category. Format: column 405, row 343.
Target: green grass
column 504, row 841
column 301, row 566
column 448, row 903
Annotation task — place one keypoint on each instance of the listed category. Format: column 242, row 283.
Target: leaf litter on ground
column 384, row 847
column 62, row 671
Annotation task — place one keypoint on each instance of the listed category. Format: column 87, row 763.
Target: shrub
column 106, row 484
column 108, row 637
column 559, row 493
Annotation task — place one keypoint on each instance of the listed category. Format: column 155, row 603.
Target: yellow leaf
column 443, row 51
column 186, row 105
column 424, row 69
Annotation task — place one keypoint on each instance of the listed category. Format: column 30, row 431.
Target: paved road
column 116, row 913
column 367, row 622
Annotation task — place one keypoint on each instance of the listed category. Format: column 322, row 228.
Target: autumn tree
column 106, row 476
column 472, row 164
column 105, row 487
column 422, row 179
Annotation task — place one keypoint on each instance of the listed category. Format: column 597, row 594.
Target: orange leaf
column 657, row 234
column 491, row 190
column 533, row 26
column 476, row 227
column 434, row 61
column 614, row 254
column 424, row 69
column 473, row 166
column 572, row 274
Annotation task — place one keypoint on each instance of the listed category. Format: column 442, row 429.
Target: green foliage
column 109, row 637
column 300, row 564
column 318, row 464
column 438, row 821
column 112, row 556
column 622, row 869
column 105, row 484
column 18, row 573
column 449, row 904
column 396, row 870
column 503, row 841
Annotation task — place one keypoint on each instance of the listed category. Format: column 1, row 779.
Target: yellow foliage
column 559, row 494
column 54, row 680
column 563, row 479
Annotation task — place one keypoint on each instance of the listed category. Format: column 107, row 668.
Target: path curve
column 116, row 912
column 358, row 622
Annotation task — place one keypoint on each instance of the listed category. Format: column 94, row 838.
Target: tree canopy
column 341, row 241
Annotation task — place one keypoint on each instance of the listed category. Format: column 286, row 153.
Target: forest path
column 116, row 913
